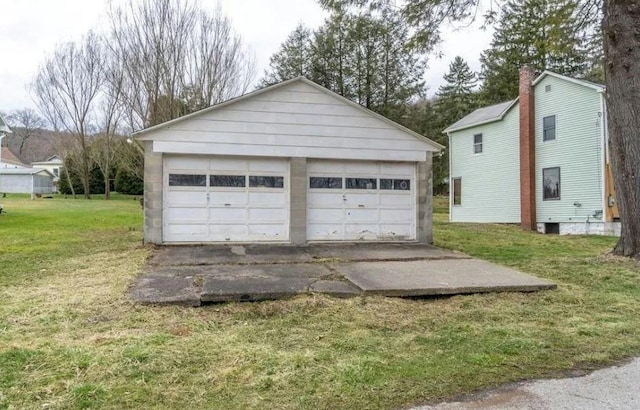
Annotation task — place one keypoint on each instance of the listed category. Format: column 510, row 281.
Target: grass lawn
column 70, row 338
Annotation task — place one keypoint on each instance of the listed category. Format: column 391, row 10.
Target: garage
column 290, row 163
column 359, row 200
column 218, row 199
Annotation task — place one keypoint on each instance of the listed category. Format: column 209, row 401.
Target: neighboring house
column 25, row 181
column 541, row 160
column 293, row 162
column 52, row 164
column 10, row 160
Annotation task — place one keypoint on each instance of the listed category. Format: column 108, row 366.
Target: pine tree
column 363, row 57
column 457, row 97
column 292, row 60
column 543, row 34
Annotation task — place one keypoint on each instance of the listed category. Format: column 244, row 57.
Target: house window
column 549, row 128
column 187, row 180
column 547, row 88
column 477, row 144
column 551, row 183
column 325, row 182
column 56, row 172
column 266, row 182
column 230, row 181
column 457, row 191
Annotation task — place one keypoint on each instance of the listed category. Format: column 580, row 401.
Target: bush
column 127, row 183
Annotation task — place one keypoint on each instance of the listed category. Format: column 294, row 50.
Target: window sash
column 260, row 181
column 457, row 191
column 228, row 181
column 197, row 180
column 551, row 187
column 361, row 183
column 477, row 144
column 549, row 128
column 325, row 182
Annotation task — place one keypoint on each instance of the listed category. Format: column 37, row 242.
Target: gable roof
column 7, row 156
column 497, row 112
column 52, row 160
column 142, row 133
column 481, row 116
column 584, row 83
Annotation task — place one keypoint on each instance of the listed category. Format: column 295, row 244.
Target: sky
column 30, row 30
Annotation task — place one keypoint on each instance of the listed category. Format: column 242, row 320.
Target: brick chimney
column 527, row 149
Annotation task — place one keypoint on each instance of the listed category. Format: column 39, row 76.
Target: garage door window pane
column 266, row 182
column 361, row 183
column 187, row 180
column 325, row 182
column 234, row 181
column 395, row 184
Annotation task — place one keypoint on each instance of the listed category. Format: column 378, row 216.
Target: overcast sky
column 30, row 29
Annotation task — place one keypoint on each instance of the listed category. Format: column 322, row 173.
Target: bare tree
column 110, row 112
column 176, row 58
column 67, row 88
column 25, row 123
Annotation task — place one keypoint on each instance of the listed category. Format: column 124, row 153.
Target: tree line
column 155, row 61
column 376, row 57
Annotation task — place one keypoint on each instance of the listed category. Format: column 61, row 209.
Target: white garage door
column 361, row 201
column 213, row 199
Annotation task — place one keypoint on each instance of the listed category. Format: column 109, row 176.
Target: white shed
column 289, row 163
column 25, row 181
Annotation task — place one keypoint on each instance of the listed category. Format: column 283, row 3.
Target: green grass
column 70, row 338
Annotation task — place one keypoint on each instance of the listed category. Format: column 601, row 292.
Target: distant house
column 541, row 160
column 52, row 164
column 10, row 160
column 25, row 181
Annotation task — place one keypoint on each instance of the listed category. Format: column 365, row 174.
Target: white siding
column 577, row 150
column 295, row 120
column 490, row 180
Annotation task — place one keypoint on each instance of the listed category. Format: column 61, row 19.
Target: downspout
column 604, row 154
column 450, row 179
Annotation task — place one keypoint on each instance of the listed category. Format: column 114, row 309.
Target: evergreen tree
column 292, row 60
column 455, row 99
column 543, row 34
column 363, row 57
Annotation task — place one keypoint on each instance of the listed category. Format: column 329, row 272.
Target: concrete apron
column 192, row 275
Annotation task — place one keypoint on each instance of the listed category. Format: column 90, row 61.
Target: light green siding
column 577, row 150
column 491, row 180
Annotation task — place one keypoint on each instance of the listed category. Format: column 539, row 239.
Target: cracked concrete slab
column 223, row 289
column 381, row 252
column 335, row 288
column 190, row 275
column 166, row 290
column 283, row 270
column 228, row 254
column 437, row 277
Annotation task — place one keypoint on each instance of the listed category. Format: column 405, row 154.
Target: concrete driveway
column 192, row 275
column 612, row 388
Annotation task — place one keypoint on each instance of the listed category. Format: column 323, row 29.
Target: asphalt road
column 612, row 388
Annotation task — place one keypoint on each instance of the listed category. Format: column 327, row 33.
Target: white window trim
column 481, row 144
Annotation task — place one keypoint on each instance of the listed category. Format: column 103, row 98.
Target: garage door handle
column 360, row 206
column 227, row 204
